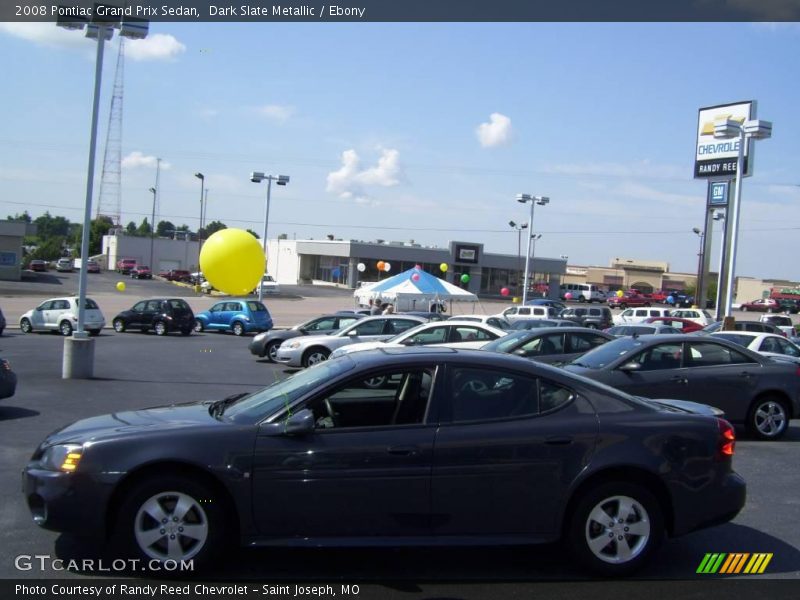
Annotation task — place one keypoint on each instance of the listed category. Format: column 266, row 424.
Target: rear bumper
column 715, row 505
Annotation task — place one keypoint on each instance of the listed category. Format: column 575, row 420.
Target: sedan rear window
column 608, row 353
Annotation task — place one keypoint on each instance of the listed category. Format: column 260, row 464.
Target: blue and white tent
column 412, row 290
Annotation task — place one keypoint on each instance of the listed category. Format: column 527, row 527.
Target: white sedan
column 308, row 350
column 768, row 344
column 450, row 333
column 496, row 321
column 701, row 317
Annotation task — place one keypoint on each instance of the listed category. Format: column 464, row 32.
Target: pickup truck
column 627, row 300
column 125, row 265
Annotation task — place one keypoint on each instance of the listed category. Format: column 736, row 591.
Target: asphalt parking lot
column 136, row 370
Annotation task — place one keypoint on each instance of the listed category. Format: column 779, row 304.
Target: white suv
column 536, row 311
column 61, row 314
column 639, row 315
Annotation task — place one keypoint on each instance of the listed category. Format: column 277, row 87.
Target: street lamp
column 534, row 200
column 534, row 237
column 720, row 216
column 78, row 359
column 519, row 229
column 258, row 177
column 700, row 302
column 152, row 228
column 202, row 179
column 755, row 129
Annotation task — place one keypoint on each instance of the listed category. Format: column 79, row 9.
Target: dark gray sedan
column 751, row 389
column 266, row 344
column 552, row 345
column 458, row 447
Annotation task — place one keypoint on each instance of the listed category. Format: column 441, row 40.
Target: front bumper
column 68, row 502
column 290, row 358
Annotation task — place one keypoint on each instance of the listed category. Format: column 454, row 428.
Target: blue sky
column 387, row 131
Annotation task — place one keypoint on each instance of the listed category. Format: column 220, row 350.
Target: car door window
column 786, row 347
column 583, row 342
column 154, row 306
column 385, row 398
column 323, row 324
column 471, row 334
column 232, row 307
column 370, row 327
column 705, row 354
column 46, row 305
column 771, row 344
column 217, row 307
column 479, row 394
column 395, row 326
column 543, row 345
column 139, row 306
column 627, row 313
column 641, row 313
column 434, row 335
column 660, row 357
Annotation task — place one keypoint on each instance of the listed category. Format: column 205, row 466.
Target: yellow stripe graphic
column 742, row 557
column 765, row 563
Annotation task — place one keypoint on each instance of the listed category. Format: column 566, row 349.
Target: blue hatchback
column 238, row 316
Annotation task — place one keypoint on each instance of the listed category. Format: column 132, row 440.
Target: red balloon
column 415, row 277
column 505, row 291
column 418, row 267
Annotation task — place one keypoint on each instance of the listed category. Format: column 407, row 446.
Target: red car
column 141, row 272
column 683, row 325
column 125, row 265
column 627, row 300
column 176, row 275
column 761, row 305
column 38, row 265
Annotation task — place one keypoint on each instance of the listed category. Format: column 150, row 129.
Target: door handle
column 402, row 450
column 558, row 440
column 679, row 379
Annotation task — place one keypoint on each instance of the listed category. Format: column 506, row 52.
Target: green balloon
column 465, row 278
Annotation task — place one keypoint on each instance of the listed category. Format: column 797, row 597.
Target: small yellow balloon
column 233, row 261
column 120, row 286
column 620, row 293
column 443, row 267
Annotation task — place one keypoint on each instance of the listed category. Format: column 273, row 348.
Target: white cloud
column 349, row 181
column 495, row 133
column 46, row 34
column 136, row 159
column 156, row 46
column 276, row 112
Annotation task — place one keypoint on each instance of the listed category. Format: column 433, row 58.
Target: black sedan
column 162, row 315
column 8, row 379
column 266, row 344
column 458, row 447
column 552, row 345
column 751, row 389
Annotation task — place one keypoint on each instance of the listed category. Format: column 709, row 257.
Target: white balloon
column 361, row 267
column 387, row 267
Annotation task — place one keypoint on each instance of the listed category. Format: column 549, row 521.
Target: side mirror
column 630, row 366
column 300, row 423
column 352, row 333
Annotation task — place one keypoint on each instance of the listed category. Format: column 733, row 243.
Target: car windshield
column 507, row 342
column 283, row 393
column 608, row 353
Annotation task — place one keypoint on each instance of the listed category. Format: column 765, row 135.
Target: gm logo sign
column 718, row 193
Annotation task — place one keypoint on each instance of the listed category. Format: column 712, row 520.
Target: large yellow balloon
column 233, row 261
column 120, row 286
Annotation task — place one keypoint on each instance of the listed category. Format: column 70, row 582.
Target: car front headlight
column 61, row 457
column 260, row 337
column 294, row 345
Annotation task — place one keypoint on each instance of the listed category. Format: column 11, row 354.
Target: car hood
column 158, row 419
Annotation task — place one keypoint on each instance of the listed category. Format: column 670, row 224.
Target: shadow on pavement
column 9, row 413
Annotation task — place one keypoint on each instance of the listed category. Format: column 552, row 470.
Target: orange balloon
column 380, row 265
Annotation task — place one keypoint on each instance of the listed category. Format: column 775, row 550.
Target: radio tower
column 109, row 203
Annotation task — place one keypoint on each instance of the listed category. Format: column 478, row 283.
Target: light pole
column 534, row 237
column 202, row 179
column 720, row 216
column 258, row 177
column 519, row 229
column 534, row 200
column 152, row 228
column 699, row 302
column 755, row 129
column 78, row 361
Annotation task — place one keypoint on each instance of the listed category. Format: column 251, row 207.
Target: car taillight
column 727, row 440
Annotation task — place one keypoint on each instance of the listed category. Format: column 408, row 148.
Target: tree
column 183, row 227
column 130, row 228
column 144, row 229
column 48, row 226
column 24, row 217
column 213, row 228
column 164, row 229
column 50, row 249
column 253, row 233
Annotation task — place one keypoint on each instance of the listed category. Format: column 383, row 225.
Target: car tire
column 25, row 326
column 237, row 328
column 119, row 325
column 623, row 306
column 186, row 331
column 271, row 350
column 743, row 309
column 625, row 543
column 315, row 356
column 198, row 326
column 581, row 299
column 770, row 310
column 768, row 418
column 160, row 328
column 197, row 531
column 65, row 328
